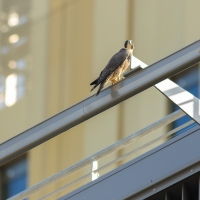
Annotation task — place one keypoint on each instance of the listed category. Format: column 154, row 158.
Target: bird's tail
column 100, row 88
column 95, row 83
column 93, row 88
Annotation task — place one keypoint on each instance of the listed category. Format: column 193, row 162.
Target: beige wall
column 71, row 41
column 162, row 27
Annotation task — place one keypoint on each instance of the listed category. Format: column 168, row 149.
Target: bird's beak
column 131, row 43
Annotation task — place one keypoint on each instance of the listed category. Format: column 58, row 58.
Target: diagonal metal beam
column 93, row 105
column 186, row 101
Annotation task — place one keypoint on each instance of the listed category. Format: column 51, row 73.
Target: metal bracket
column 95, row 175
column 186, row 101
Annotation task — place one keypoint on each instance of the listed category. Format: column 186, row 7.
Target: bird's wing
column 113, row 64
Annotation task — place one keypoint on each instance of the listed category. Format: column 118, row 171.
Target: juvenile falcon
column 115, row 67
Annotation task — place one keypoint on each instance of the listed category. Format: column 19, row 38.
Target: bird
column 118, row 63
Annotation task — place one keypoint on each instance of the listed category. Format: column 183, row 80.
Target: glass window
column 189, row 80
column 14, row 177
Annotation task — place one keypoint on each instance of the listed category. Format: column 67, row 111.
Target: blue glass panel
column 17, row 185
column 14, row 178
column 190, row 82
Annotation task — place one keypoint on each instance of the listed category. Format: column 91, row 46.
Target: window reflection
column 13, row 38
column 13, row 19
column 11, row 90
column 14, row 50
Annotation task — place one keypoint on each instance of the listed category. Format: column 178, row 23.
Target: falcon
column 118, row 63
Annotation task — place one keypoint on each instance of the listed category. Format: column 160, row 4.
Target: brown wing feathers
column 112, row 65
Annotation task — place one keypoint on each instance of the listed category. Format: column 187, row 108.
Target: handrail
column 118, row 159
column 95, row 105
column 97, row 156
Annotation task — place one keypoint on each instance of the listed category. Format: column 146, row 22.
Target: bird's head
column 128, row 44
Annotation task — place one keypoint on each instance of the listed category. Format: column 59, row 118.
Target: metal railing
column 95, row 105
column 97, row 156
